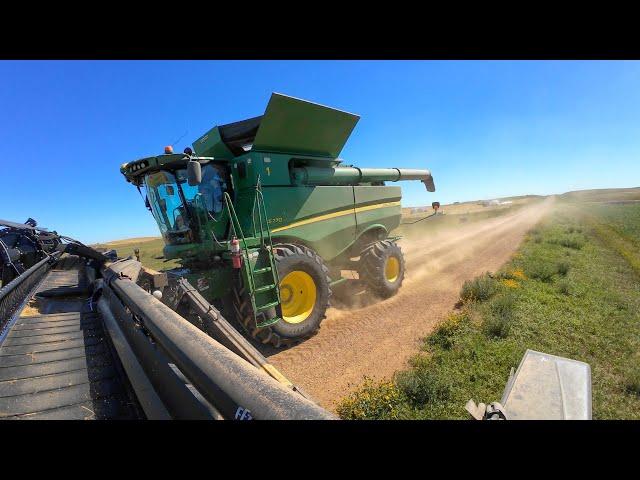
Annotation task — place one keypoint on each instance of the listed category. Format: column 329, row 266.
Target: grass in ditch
column 567, row 292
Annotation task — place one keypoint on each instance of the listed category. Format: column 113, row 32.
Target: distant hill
column 602, row 195
column 128, row 241
column 519, row 197
column 475, row 205
column 594, row 195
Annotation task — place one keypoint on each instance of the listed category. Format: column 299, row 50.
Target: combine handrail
column 233, row 218
column 264, row 209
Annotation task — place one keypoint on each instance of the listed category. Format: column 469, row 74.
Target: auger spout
column 355, row 176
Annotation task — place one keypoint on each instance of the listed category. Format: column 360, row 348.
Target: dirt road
column 378, row 339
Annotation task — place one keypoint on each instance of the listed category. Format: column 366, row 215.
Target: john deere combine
column 263, row 216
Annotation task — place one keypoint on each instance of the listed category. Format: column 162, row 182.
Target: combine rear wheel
column 381, row 267
column 304, row 293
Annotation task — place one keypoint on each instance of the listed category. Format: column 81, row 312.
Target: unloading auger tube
column 354, row 176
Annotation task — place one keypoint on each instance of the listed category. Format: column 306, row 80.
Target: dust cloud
column 432, row 253
column 374, row 338
column 427, row 254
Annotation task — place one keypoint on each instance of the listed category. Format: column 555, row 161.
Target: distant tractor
column 263, row 216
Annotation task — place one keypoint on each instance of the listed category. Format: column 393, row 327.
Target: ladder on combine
column 260, row 273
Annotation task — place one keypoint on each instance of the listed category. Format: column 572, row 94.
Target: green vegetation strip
column 618, row 227
column 570, row 291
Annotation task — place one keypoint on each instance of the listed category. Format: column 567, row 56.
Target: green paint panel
column 211, row 145
column 329, row 238
column 367, row 195
column 286, row 206
column 293, row 125
column 387, row 217
column 212, row 283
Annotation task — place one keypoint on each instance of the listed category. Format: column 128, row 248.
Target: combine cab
column 263, row 216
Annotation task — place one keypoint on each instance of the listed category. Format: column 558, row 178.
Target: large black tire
column 288, row 258
column 297, row 258
column 381, row 268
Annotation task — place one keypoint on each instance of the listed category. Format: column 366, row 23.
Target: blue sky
column 484, row 128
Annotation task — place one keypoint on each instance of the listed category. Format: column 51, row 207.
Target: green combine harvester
column 264, row 217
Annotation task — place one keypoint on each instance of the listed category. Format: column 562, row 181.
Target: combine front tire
column 304, row 290
column 382, row 268
column 304, row 293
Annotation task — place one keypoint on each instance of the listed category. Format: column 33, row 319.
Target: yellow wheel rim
column 392, row 269
column 298, row 296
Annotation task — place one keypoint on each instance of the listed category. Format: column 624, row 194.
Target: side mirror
column 194, row 173
column 435, row 205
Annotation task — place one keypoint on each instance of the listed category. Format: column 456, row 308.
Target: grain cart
column 263, row 216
